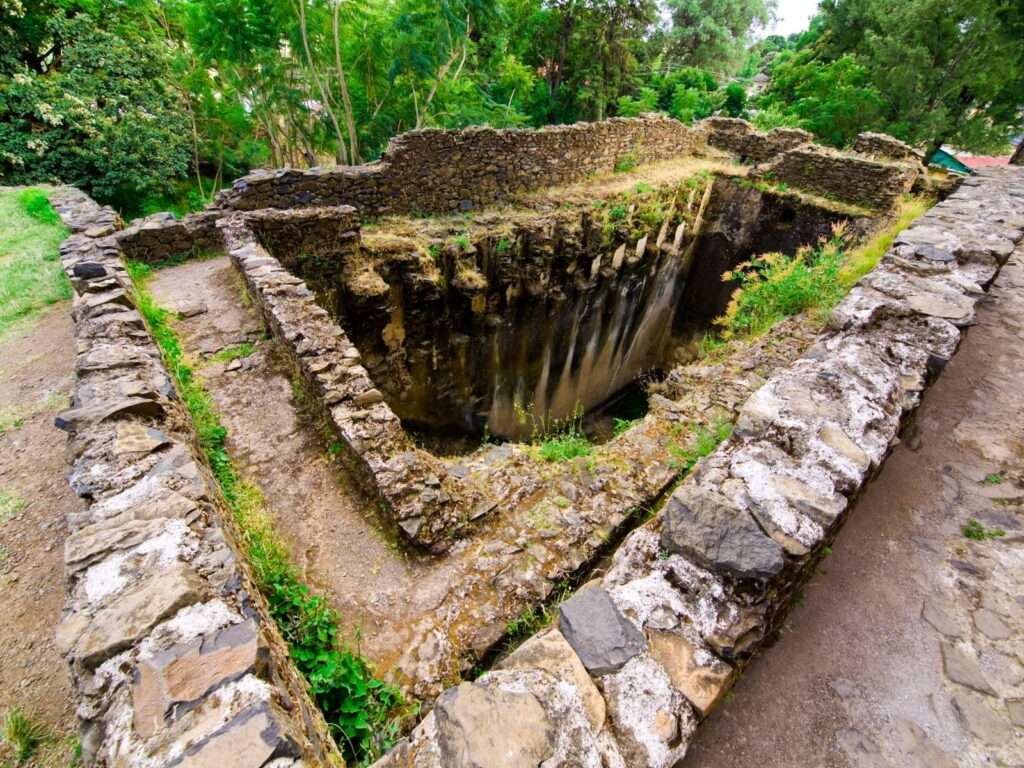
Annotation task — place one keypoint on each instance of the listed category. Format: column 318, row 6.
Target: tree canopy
column 146, row 102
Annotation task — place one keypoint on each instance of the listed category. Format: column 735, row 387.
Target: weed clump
column 23, row 734
column 37, row 205
column 775, row 286
column 975, row 531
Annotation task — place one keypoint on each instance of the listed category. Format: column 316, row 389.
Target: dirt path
column 36, row 372
column 327, row 522
column 907, row 650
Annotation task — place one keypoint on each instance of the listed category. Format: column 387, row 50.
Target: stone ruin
column 481, row 283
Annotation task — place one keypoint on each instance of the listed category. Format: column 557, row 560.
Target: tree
column 713, row 34
column 927, row 71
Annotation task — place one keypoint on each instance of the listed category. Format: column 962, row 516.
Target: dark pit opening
column 496, row 325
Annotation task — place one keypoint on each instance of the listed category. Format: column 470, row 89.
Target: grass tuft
column 362, row 712
column 10, row 504
column 864, row 258
column 23, row 734
column 975, row 531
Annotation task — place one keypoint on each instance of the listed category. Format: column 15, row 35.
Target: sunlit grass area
column 31, row 277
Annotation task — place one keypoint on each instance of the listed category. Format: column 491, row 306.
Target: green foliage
column 23, row 734
column 775, row 286
column 360, row 709
column 37, row 205
column 560, row 440
column 621, row 426
column 31, row 277
column 977, row 532
column 926, row 71
column 703, row 442
column 994, row 478
column 627, row 162
column 106, row 121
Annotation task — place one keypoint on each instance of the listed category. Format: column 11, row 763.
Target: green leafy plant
column 562, row 441
column 703, row 442
column 362, row 712
column 974, row 530
column 775, row 286
column 620, row 426
column 993, row 479
column 627, row 162
column 23, row 733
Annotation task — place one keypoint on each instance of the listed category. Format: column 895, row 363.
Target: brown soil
column 327, row 522
column 35, row 381
column 856, row 679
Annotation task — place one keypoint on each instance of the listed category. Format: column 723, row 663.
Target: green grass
column 237, row 352
column 10, row 504
column 362, row 711
column 23, row 734
column 863, row 259
column 977, row 532
column 562, row 440
column 31, row 277
column 627, row 162
column 993, row 479
column 620, row 426
column 703, row 442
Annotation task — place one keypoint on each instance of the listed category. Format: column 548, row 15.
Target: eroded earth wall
column 174, row 657
column 637, row 659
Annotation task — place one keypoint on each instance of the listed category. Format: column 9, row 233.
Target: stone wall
column 884, row 146
column 740, row 138
column 637, row 659
column 841, row 176
column 438, row 171
column 425, row 502
column 1018, row 156
column 173, row 656
column 162, row 235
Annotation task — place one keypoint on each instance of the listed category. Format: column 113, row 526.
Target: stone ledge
column 806, row 443
column 174, row 658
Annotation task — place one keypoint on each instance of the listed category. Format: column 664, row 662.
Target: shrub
column 775, row 286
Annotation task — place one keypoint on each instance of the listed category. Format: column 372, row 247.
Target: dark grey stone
column 89, row 270
column 707, row 528
column 602, row 637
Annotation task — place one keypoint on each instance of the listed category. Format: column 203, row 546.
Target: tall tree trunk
column 346, row 101
column 341, row 153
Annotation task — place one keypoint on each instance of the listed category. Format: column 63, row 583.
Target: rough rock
column 708, row 528
column 964, row 669
column 600, row 635
column 694, row 672
column 552, row 653
column 990, row 727
column 483, row 728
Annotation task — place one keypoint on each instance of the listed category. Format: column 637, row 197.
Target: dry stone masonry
column 690, row 595
column 174, row 658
